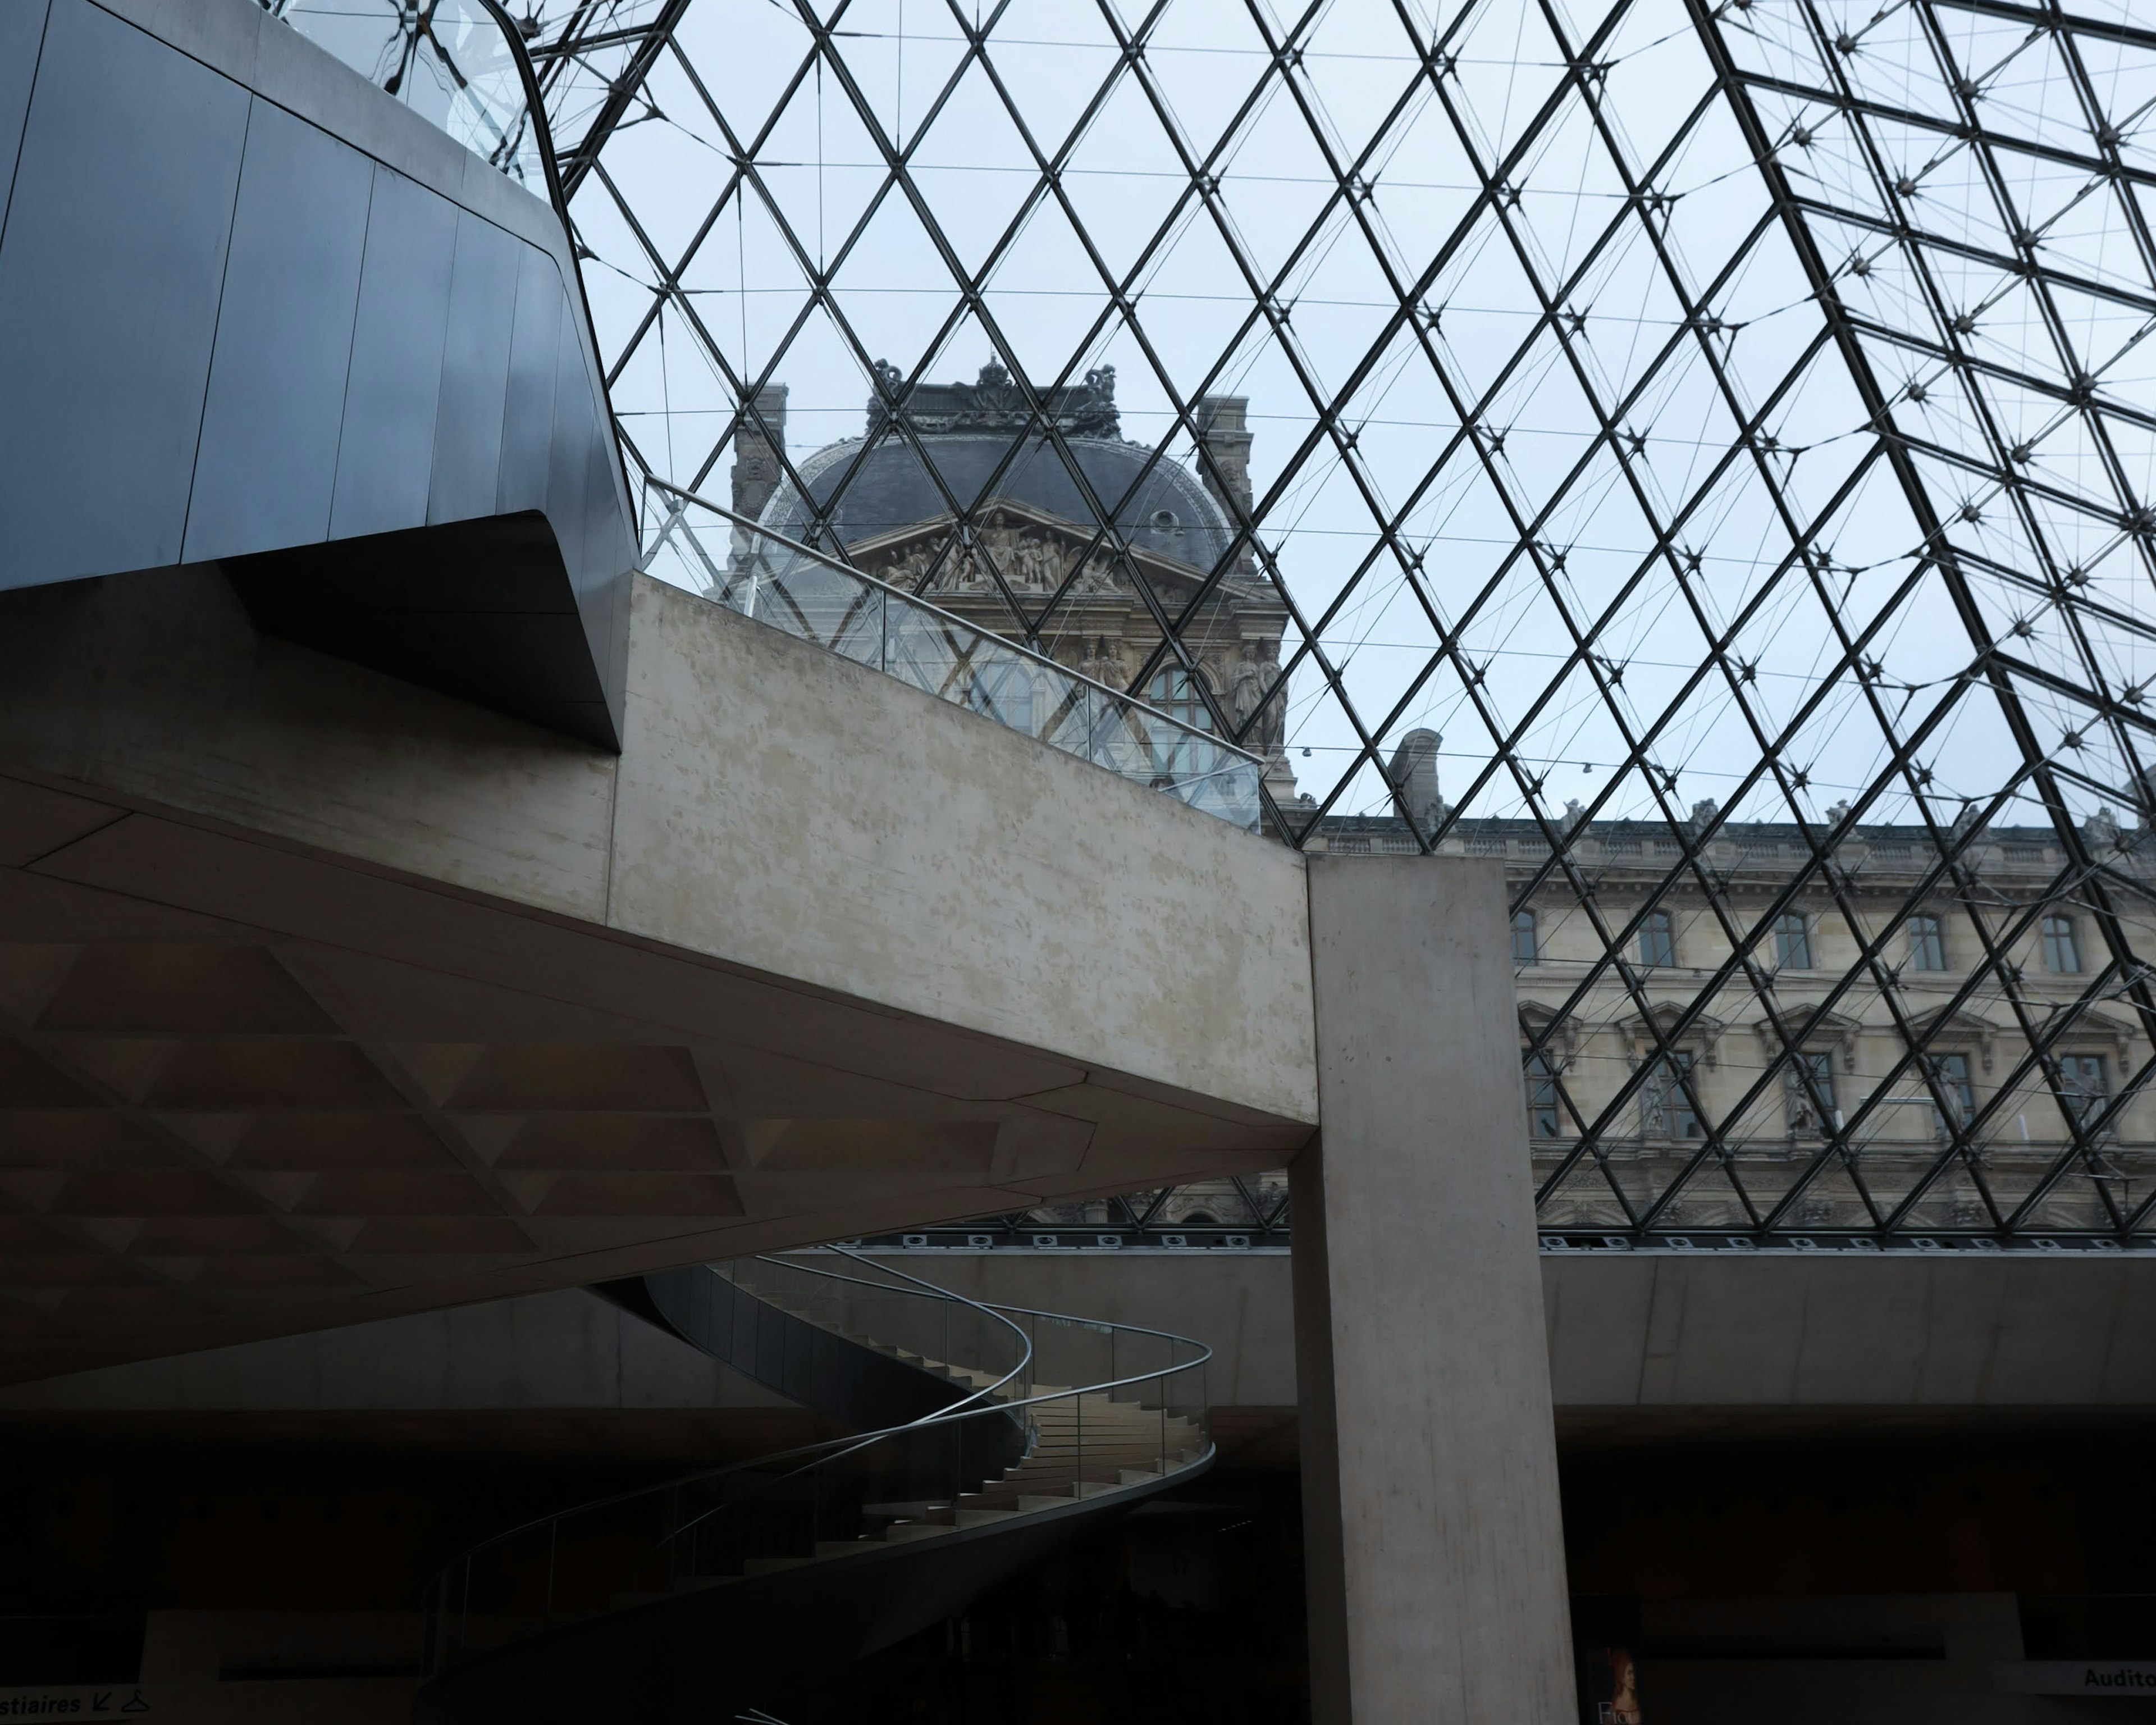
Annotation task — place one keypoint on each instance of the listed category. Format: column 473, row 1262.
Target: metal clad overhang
column 253, row 311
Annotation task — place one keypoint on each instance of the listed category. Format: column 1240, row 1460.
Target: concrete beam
column 1434, row 1549
column 323, row 997
column 1857, row 1339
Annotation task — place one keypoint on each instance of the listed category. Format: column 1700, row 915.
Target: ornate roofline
column 993, row 402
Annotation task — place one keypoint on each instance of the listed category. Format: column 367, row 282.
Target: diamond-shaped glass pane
column 1702, row 458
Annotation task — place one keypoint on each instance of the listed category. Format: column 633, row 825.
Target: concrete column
column 1434, row 1547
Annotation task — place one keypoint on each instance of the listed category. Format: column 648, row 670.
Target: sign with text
column 75, row 1701
column 2078, row 1676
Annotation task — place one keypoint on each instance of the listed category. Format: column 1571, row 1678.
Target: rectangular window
column 2062, row 952
column 1808, row 1094
column 1541, row 1096
column 2081, row 1076
column 1658, row 938
column 1525, row 949
column 1952, row 1071
column 1927, row 943
column 1666, row 1109
column 1793, row 941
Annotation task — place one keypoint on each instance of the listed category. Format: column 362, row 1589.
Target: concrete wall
column 803, row 814
column 774, row 806
column 1968, row 1636
column 1629, row 1331
column 562, row 1350
column 1796, row 1329
column 1626, row 1331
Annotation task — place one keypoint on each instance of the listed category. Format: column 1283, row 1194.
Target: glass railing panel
column 814, row 603
column 1103, row 1408
column 450, row 61
column 929, row 650
column 709, row 550
column 1066, row 717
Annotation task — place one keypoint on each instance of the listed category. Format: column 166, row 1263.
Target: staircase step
column 905, row 1533
column 771, row 1566
column 983, row 1517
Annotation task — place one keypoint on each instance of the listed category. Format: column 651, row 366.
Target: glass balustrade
column 1042, row 1412
column 711, row 552
column 453, row 61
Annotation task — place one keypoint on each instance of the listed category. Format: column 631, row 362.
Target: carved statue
column 1248, row 688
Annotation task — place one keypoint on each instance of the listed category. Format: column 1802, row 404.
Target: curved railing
column 458, row 63
column 1075, row 1414
column 724, row 557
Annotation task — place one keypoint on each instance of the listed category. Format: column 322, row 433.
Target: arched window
column 1175, row 753
column 1527, row 949
column 1175, row 693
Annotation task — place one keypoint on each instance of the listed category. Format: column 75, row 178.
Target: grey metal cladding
column 105, row 203
column 575, row 424
column 267, row 464
column 386, row 461
column 570, row 496
column 528, row 426
column 602, row 579
column 21, row 32
column 229, row 332
column 467, row 476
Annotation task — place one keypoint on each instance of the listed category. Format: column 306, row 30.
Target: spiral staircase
column 978, row 1439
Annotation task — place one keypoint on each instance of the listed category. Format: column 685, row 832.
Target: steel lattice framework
column 1730, row 429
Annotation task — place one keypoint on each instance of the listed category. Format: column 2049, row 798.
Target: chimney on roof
column 1224, row 430
column 757, row 452
column 1414, row 774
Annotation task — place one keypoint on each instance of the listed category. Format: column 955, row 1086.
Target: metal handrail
column 653, row 482
column 1062, row 1317
column 808, row 1456
column 957, row 1411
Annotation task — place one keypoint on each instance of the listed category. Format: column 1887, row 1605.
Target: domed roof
column 1170, row 514
column 967, row 430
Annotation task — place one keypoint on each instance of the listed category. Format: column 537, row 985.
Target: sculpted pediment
column 1032, row 551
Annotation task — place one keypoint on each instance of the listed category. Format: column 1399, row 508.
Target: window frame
column 1927, row 936
column 1659, row 927
column 1540, row 1073
column 1662, row 1093
column 1793, row 933
column 1524, row 921
column 2092, row 1103
column 2058, row 931
column 1797, row 1104
column 1961, row 1084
